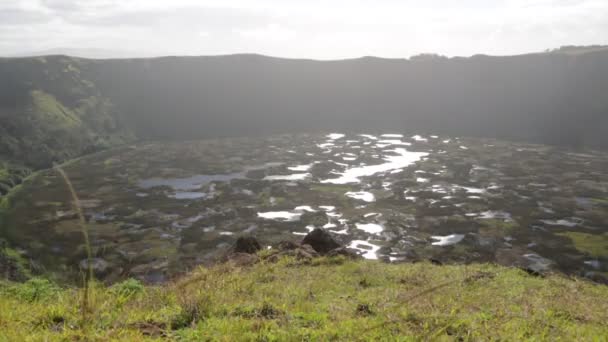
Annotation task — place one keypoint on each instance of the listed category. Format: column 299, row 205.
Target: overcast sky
column 320, row 29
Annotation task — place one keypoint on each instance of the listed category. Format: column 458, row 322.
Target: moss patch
column 595, row 245
column 331, row 188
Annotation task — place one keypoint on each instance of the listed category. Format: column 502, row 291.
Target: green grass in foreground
column 332, row 299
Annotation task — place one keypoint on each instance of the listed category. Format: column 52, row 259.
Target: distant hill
column 576, row 50
column 83, row 53
column 57, row 107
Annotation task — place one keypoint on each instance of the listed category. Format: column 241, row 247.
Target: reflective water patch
column 447, row 240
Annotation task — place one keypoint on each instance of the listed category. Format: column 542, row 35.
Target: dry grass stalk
column 85, row 233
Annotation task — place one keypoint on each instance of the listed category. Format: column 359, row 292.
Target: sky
column 317, row 29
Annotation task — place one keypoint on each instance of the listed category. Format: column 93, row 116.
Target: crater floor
column 157, row 209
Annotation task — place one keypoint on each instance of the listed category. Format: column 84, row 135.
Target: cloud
column 271, row 32
column 19, row 17
column 299, row 28
column 62, row 5
column 173, row 18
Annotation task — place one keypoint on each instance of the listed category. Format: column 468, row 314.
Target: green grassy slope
column 49, row 113
column 330, row 299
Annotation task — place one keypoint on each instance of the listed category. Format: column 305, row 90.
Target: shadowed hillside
column 55, row 107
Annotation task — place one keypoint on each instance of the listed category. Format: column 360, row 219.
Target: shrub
column 128, row 288
column 35, row 289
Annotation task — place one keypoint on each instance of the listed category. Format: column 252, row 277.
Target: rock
column 243, row 259
column 533, row 271
column 537, row 264
column 300, row 252
column 364, row 310
column 531, row 263
column 4, row 189
column 287, row 245
column 114, row 276
column 435, row 262
column 247, row 244
column 347, row 252
column 597, row 277
column 10, row 266
column 320, row 240
column 151, row 273
column 306, row 251
column 99, row 266
column 408, row 255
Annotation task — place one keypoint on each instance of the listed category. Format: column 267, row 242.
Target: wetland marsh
column 156, row 210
